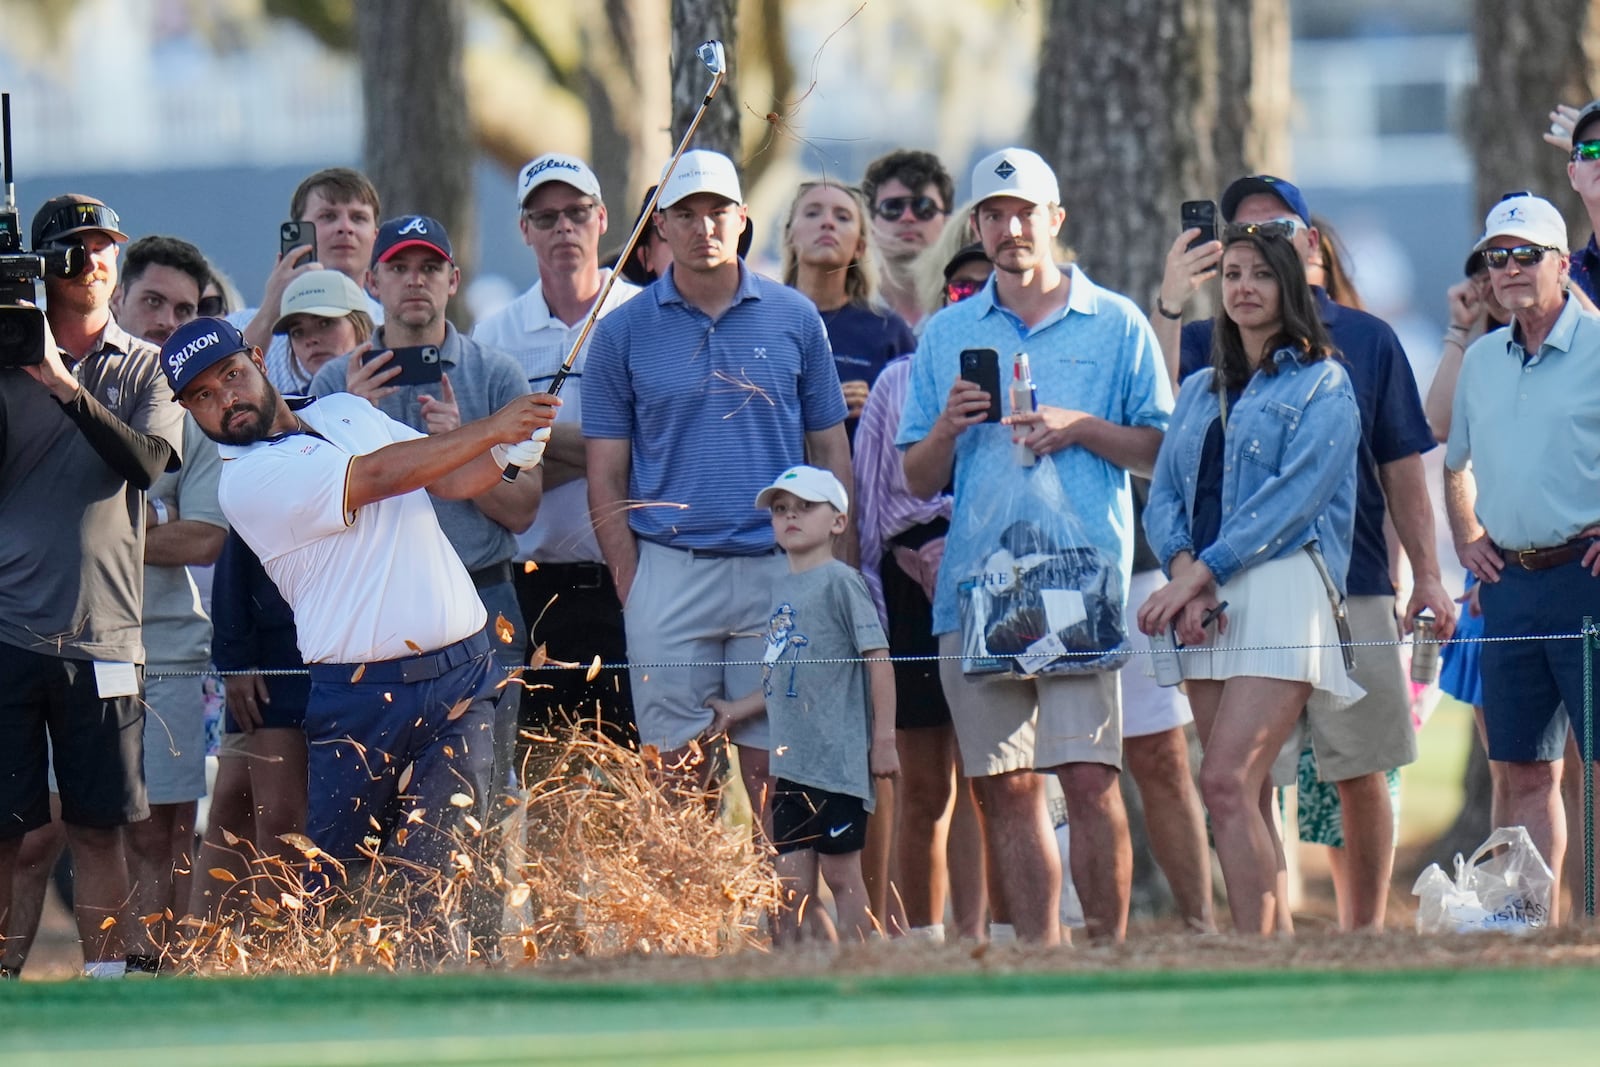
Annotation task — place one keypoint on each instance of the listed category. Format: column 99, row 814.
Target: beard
column 251, row 429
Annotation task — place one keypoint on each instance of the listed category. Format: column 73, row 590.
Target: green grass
column 1237, row 1019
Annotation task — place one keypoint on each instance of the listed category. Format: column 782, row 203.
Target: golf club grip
column 511, row 471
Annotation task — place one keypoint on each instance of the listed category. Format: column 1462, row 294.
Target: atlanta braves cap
column 411, row 231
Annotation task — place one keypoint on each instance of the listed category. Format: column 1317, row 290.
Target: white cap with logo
column 1528, row 217
column 701, row 171
column 807, row 483
column 327, row 294
column 556, row 167
column 1015, row 172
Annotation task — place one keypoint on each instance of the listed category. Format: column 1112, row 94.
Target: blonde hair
column 861, row 276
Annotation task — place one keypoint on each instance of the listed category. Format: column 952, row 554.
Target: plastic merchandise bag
column 1044, row 600
column 1510, row 891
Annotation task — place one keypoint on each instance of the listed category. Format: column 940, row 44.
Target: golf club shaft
column 646, row 218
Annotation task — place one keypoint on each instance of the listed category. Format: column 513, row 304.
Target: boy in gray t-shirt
column 827, row 743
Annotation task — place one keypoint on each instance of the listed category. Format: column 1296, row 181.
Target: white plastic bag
column 1510, row 891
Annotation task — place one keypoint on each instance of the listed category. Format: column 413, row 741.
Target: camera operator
column 73, row 475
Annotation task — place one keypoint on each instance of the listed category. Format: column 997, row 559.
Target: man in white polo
column 568, row 599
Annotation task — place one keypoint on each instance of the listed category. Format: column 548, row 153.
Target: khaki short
column 1375, row 733
column 1006, row 724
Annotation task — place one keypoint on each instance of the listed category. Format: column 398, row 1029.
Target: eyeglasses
column 1586, row 151
column 578, row 215
column 958, row 289
column 1284, row 228
column 212, row 307
column 1525, row 255
column 923, row 208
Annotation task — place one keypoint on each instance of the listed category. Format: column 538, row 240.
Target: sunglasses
column 70, row 218
column 1586, row 151
column 959, row 289
column 923, row 208
column 1525, row 255
column 212, row 307
column 578, row 215
column 1284, row 228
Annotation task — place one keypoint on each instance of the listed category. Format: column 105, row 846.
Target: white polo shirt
column 377, row 584
column 525, row 328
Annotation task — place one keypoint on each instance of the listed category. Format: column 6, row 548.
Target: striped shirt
column 715, row 410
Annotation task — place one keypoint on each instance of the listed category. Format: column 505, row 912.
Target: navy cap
column 411, row 231
column 1292, row 198
column 197, row 345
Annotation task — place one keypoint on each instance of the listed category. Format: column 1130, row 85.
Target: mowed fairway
column 1232, row 1018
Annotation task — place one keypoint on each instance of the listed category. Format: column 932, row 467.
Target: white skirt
column 1280, row 625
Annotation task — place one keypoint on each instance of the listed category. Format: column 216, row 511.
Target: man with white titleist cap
column 1520, row 457
column 1092, row 349
column 570, row 594
column 699, row 393
column 329, row 494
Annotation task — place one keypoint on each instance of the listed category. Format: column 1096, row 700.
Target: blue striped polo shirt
column 715, row 409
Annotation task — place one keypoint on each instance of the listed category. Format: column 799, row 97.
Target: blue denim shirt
column 1289, row 469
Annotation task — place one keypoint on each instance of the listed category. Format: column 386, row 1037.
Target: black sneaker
column 139, row 964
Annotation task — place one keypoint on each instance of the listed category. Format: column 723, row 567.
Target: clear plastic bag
column 1510, row 891
column 1044, row 600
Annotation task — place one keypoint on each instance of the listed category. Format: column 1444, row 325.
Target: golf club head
column 711, row 53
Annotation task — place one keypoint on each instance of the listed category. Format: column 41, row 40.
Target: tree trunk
column 625, row 45
column 1124, row 109
column 418, row 148
column 1530, row 57
column 1251, row 135
column 694, row 22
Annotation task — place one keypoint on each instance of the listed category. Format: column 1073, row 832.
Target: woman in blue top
column 1252, row 503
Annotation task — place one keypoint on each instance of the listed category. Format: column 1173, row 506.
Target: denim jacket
column 1289, row 469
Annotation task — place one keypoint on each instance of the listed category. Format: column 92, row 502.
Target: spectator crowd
column 898, row 529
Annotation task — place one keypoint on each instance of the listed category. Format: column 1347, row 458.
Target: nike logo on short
column 840, row 830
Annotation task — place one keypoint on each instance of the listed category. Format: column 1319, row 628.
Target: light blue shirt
column 1530, row 426
column 1097, row 355
column 1289, row 469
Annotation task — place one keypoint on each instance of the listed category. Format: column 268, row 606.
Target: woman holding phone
column 1252, row 503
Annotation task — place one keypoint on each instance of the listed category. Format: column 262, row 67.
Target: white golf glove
column 524, row 454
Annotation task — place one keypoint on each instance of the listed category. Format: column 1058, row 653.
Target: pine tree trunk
column 418, row 148
column 694, row 22
column 625, row 42
column 1251, row 135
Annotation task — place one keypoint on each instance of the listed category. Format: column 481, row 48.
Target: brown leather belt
column 1542, row 559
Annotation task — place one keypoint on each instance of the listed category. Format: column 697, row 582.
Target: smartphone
column 295, row 234
column 419, row 365
column 1200, row 215
column 981, row 366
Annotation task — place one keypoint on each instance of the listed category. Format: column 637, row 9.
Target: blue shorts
column 1525, row 682
column 433, row 713
column 805, row 817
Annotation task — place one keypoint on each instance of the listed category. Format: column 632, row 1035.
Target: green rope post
column 1588, row 765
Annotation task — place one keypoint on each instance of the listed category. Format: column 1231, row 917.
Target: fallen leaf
column 265, row 907
column 473, row 824
column 400, row 835
column 229, row 837
column 152, row 918
column 415, row 815
column 594, row 670
column 361, row 668
column 108, row 922
column 222, row 874
column 299, row 841
column 413, row 646
column 458, row 709
column 292, row 902
column 539, row 658
column 519, row 895
column 388, row 698
column 449, row 751
column 504, row 630
column 529, row 567
column 461, row 800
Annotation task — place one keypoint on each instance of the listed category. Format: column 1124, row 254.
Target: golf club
column 715, row 58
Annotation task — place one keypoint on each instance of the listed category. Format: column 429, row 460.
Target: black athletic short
column 918, row 695
column 98, row 744
column 805, row 817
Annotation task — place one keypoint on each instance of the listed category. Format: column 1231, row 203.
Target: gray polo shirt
column 1530, row 427
column 485, row 380
column 176, row 628
column 71, row 528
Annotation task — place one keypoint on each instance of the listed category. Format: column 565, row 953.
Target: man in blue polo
column 1519, row 477
column 698, row 393
column 1357, row 746
column 1103, row 406
column 335, row 498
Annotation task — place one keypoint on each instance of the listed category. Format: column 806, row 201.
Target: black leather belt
column 493, row 574
column 1542, row 559
column 423, row 668
column 571, row 575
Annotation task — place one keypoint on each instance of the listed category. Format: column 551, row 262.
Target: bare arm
column 726, row 714
column 513, row 505
column 454, row 465
column 883, row 758
column 1185, row 272
column 1405, row 488
column 566, row 459
column 830, row 450
column 929, row 462
column 291, row 264
column 1468, row 318
column 610, row 463
column 183, row 543
column 1473, row 547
